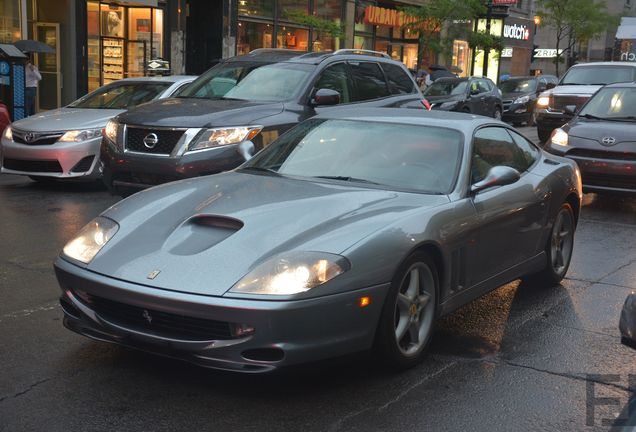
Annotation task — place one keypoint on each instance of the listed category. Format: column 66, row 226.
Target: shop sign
column 546, row 53
column 506, row 52
column 516, row 31
column 375, row 15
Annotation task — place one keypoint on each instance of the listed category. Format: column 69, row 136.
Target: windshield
column 121, row 95
column 448, row 88
column 612, row 103
column 598, row 75
column 518, row 86
column 417, row 158
column 250, row 81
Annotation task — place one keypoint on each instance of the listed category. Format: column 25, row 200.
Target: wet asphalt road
column 522, row 358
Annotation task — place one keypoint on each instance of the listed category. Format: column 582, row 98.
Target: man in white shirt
column 32, row 76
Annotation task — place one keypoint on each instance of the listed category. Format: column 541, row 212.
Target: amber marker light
column 364, row 301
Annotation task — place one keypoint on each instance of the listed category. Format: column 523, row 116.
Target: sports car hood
column 597, row 130
column 63, row 119
column 198, row 113
column 203, row 235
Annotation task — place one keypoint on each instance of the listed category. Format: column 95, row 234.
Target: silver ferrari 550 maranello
column 354, row 230
column 64, row 143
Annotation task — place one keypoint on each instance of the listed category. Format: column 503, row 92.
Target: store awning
column 627, row 29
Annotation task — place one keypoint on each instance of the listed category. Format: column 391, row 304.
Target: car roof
column 419, row 117
column 167, row 78
column 608, row 63
column 278, row 55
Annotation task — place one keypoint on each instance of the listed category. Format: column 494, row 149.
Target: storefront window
column 323, row 42
column 112, row 21
column 9, row 21
column 298, row 6
column 157, row 34
column 263, row 8
column 139, row 23
column 410, row 56
column 360, row 26
column 329, row 9
column 253, row 35
column 93, row 57
column 461, row 57
column 382, row 31
column 362, row 42
column 292, row 38
column 382, row 46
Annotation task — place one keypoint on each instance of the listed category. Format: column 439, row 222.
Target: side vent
column 458, row 269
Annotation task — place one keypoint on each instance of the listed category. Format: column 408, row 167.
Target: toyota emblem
column 29, row 137
column 151, row 140
column 608, row 141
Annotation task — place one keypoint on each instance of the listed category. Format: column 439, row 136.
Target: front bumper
column 601, row 171
column 549, row 120
column 58, row 160
column 517, row 112
column 286, row 332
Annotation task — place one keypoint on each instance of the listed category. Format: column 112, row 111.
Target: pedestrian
column 32, row 77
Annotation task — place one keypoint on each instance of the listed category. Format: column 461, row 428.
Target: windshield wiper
column 593, row 117
column 624, row 118
column 349, row 179
column 260, row 169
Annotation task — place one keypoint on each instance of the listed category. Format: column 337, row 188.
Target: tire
column 544, row 135
column 558, row 249
column 406, row 323
column 497, row 113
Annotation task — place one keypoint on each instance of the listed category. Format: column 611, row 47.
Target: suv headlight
column 522, row 99
column 8, row 133
column 80, row 135
column 218, row 137
column 292, row 274
column 91, row 239
column 110, row 131
column 559, row 137
column 543, row 102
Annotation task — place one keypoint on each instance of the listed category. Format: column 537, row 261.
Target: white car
column 64, row 143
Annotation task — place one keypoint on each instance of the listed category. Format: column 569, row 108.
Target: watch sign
column 516, row 31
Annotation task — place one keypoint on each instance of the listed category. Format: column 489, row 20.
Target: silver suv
column 557, row 106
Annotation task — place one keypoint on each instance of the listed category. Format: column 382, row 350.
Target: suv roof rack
column 361, row 51
column 276, row 50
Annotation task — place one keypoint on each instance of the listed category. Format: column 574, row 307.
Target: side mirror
column 550, row 86
column 497, row 176
column 570, row 109
column 246, row 149
column 326, row 97
column 542, row 88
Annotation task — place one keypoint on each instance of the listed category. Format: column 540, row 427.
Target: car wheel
column 558, row 248
column 544, row 135
column 408, row 314
column 497, row 114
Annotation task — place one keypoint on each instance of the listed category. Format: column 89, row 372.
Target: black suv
column 470, row 95
column 241, row 105
column 520, row 96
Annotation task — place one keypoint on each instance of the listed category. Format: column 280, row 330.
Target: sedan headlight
column 523, row 99
column 293, row 274
column 559, row 137
column 543, row 102
column 91, row 239
column 218, row 137
column 80, row 135
column 8, row 133
column 449, row 105
column 110, row 131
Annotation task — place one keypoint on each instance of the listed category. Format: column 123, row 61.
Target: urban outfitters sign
column 375, row 15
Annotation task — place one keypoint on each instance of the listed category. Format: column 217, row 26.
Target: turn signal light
column 364, row 301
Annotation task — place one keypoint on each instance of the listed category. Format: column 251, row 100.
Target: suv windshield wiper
column 346, row 178
column 593, row 117
column 260, row 169
column 623, row 118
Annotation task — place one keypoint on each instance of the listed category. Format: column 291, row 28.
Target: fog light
column 240, row 330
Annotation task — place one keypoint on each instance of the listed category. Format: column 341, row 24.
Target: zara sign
column 516, row 31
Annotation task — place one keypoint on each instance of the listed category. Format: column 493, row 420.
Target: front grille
column 506, row 104
column 33, row 166
column 160, row 323
column 560, row 102
column 612, row 181
column 83, row 165
column 600, row 154
column 166, row 140
column 35, row 138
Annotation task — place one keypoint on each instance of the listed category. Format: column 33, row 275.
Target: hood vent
column 201, row 232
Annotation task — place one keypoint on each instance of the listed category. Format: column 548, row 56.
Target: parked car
column 64, row 143
column 357, row 228
column 601, row 138
column 575, row 88
column 5, row 119
column 255, row 97
column 627, row 323
column 469, row 95
column 520, row 95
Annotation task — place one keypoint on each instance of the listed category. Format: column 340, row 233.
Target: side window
column 493, row 146
column 484, row 86
column 474, row 87
column 399, row 81
column 368, row 81
column 529, row 152
column 335, row 78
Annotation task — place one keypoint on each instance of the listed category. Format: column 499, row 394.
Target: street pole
column 487, row 51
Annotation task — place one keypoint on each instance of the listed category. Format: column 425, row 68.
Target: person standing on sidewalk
column 32, row 77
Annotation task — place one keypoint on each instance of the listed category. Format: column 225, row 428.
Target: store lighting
column 537, row 20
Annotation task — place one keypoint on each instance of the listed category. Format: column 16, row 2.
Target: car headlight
column 559, row 137
column 91, row 239
column 218, row 137
column 110, row 131
column 292, row 274
column 523, row 99
column 80, row 135
column 8, row 133
column 543, row 102
column 449, row 105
